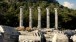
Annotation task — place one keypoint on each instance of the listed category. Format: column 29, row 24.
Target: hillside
column 9, row 13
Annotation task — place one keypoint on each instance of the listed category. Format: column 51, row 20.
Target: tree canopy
column 9, row 13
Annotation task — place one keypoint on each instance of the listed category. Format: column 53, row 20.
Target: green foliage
column 9, row 13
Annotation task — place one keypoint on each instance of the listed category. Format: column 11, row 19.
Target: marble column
column 56, row 19
column 21, row 17
column 48, row 18
column 30, row 17
column 39, row 17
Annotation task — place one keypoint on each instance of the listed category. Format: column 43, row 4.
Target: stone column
column 56, row 19
column 39, row 17
column 30, row 17
column 21, row 17
column 48, row 18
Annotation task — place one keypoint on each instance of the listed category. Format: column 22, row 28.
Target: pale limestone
column 73, row 38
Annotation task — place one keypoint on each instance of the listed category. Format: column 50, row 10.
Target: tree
column 9, row 13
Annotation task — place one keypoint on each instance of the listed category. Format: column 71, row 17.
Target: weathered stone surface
column 8, row 30
column 39, row 17
column 1, row 38
column 48, row 18
column 55, row 35
column 73, row 38
column 21, row 17
column 9, row 34
column 20, row 28
column 30, row 17
column 62, row 38
column 28, row 28
column 29, row 36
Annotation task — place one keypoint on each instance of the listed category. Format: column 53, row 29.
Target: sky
column 68, row 3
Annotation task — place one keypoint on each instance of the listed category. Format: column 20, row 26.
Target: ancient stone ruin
column 35, row 34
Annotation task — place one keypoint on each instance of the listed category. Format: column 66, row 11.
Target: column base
column 21, row 28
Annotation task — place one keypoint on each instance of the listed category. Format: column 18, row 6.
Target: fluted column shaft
column 48, row 18
column 21, row 16
column 56, row 19
column 39, row 17
column 30, row 17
